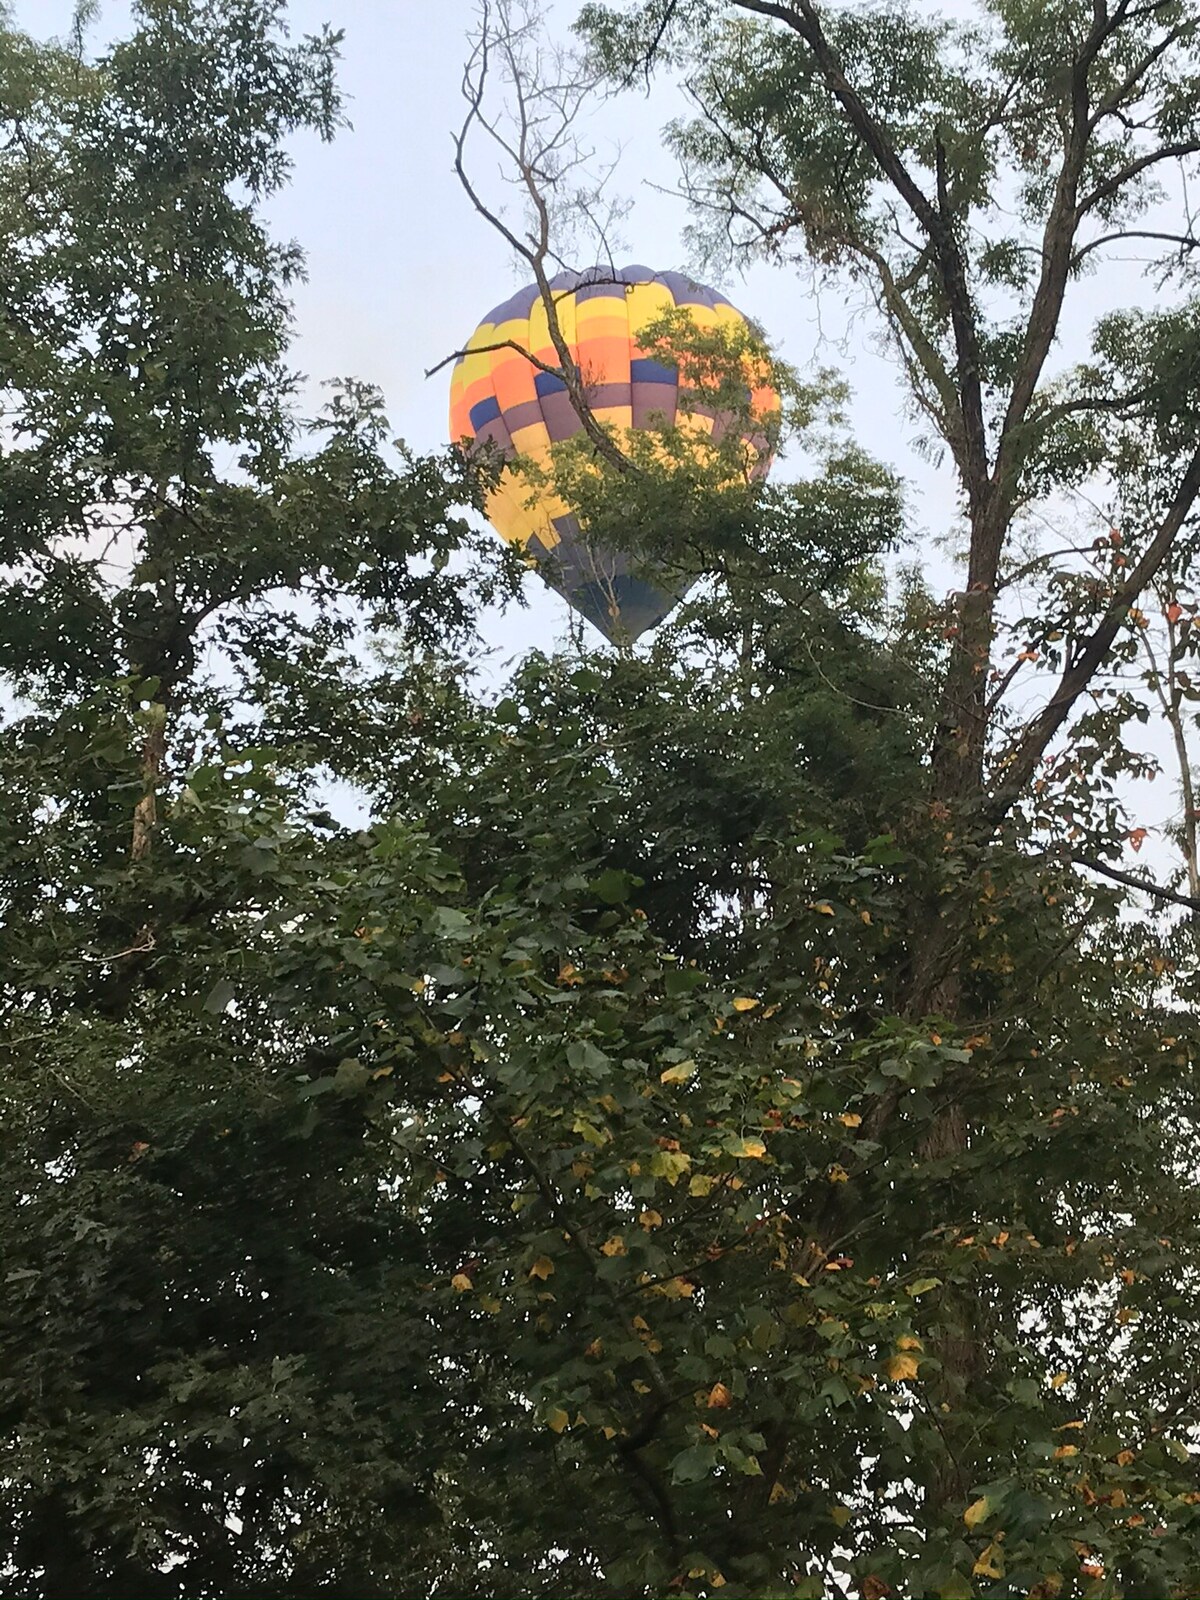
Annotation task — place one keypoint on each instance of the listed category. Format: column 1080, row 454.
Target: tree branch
column 1058, row 237
column 1187, row 242
column 1135, row 882
column 936, row 221
column 530, row 165
column 1117, row 96
column 1020, row 766
column 1118, row 180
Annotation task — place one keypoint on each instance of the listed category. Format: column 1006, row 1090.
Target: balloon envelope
column 497, row 394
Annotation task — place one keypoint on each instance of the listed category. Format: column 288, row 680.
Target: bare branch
column 1117, row 181
column 489, row 349
column 927, row 356
column 1020, row 766
column 540, row 151
column 1135, row 882
column 1187, row 242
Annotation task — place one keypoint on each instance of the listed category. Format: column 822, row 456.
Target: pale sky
column 401, row 268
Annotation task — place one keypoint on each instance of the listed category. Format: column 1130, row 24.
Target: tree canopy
column 717, row 1118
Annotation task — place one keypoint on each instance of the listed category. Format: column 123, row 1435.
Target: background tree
column 685, row 1140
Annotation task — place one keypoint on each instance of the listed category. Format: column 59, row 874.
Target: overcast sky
column 400, row 268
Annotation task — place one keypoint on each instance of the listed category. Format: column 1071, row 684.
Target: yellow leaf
column 461, row 1282
column 613, row 1247
column 718, row 1397
column 923, row 1286
column 990, row 1563
column 678, row 1074
column 676, row 1289
column 850, row 1119
column 744, row 1003
column 901, row 1368
column 778, row 1493
column 1057, row 1381
column 609, row 1433
column 717, row 1580
column 909, row 1341
column 1066, row 1450
column 1118, row 1499
column 1066, row 1427
column 1126, row 1458
column 650, row 1219
column 838, row 1174
column 542, row 1268
column 595, row 1350
column 702, row 1183
column 978, row 1511
column 866, row 917
column 751, row 1149
column 840, row 1515
column 557, row 1420
column 640, row 1325
column 489, row 1303
column 823, row 908
column 670, row 1164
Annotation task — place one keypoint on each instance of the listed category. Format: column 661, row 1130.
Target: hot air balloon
column 498, row 395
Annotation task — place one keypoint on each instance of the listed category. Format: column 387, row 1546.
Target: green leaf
column 219, row 996
column 923, row 1286
column 583, row 1057
column 693, row 1464
column 614, row 887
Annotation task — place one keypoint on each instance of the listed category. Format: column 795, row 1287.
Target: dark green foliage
column 535, row 1190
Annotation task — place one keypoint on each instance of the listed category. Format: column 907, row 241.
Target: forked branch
column 534, row 132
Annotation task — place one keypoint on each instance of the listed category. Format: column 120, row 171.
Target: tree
column 689, row 1140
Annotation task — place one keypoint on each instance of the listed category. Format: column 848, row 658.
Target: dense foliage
column 706, row 1129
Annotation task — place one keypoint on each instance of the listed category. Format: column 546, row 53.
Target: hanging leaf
column 901, row 1368
column 978, row 1511
column 679, row 1073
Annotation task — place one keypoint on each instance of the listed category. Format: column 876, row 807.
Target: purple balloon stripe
column 513, row 309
